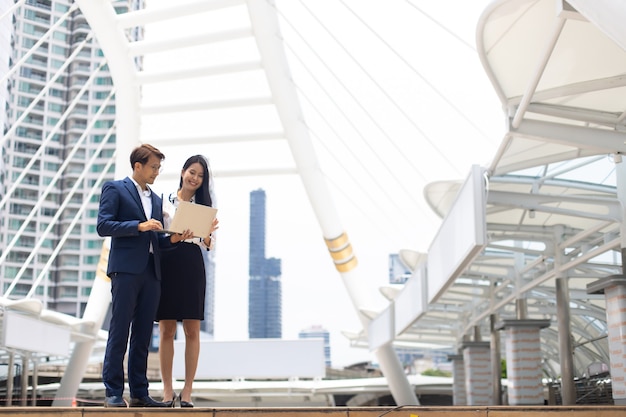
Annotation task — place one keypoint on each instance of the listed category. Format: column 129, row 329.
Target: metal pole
column 24, row 396
column 10, row 377
column 477, row 335
column 35, row 383
column 568, row 390
column 495, row 361
column 521, row 309
column 620, row 170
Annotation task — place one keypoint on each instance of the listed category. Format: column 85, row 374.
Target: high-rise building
column 57, row 148
column 318, row 332
column 264, row 285
column 208, row 325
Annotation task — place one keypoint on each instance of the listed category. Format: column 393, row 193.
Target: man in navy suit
column 132, row 214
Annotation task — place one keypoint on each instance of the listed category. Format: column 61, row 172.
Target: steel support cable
column 359, row 207
column 358, row 161
column 400, row 183
column 431, row 85
column 382, row 90
column 441, row 25
column 359, row 185
column 374, row 221
column 356, row 129
column 357, row 102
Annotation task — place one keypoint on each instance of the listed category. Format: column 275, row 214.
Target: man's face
column 146, row 174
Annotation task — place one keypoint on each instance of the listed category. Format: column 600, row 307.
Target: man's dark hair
column 142, row 154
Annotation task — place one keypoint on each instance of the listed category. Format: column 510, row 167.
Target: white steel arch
column 108, row 29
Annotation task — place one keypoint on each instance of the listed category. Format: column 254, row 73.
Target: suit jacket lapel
column 132, row 189
column 157, row 211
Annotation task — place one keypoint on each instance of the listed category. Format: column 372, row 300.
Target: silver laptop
column 195, row 217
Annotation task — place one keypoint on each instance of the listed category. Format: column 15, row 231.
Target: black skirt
column 183, row 283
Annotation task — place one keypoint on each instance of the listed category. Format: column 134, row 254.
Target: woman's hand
column 179, row 237
column 208, row 240
column 215, row 225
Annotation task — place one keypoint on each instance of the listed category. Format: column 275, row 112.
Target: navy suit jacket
column 119, row 215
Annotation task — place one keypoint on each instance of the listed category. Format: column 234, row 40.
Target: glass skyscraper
column 264, row 286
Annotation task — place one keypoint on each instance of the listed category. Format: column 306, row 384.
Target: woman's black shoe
column 172, row 403
column 185, row 404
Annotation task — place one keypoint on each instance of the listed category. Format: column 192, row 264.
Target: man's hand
column 152, row 224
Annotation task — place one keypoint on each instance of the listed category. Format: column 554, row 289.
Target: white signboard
column 255, row 358
column 29, row 334
column 462, row 235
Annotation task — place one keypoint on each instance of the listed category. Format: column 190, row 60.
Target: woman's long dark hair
column 202, row 196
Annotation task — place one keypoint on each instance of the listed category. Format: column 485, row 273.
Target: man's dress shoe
column 114, row 401
column 146, row 401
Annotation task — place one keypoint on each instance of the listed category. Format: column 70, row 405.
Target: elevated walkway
column 408, row 411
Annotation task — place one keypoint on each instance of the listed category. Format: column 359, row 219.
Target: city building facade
column 264, row 285
column 318, row 332
column 398, row 273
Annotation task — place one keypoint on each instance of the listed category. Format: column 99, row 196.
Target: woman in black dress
column 183, row 282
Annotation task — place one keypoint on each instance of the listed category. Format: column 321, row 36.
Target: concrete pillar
column 477, row 364
column 614, row 290
column 459, row 395
column 523, row 359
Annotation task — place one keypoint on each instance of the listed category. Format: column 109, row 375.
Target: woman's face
column 193, row 177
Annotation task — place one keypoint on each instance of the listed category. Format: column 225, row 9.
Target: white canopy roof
column 552, row 208
column 560, row 78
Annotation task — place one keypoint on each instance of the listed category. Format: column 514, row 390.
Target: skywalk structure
column 529, row 248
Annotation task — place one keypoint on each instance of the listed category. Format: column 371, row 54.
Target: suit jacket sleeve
column 111, row 219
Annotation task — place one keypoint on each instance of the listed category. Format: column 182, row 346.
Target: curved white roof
column 552, row 207
column 560, row 78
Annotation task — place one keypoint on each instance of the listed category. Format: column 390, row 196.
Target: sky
column 395, row 98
